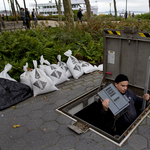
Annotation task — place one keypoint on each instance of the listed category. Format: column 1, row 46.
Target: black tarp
column 12, row 92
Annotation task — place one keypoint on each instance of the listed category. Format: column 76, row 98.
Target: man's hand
column 146, row 96
column 105, row 104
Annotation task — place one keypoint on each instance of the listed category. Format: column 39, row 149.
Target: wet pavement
column 43, row 128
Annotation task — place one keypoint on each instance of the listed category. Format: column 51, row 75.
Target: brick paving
column 42, row 128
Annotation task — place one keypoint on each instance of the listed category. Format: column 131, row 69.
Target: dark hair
column 120, row 78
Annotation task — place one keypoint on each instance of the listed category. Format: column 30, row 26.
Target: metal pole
column 24, row 7
column 0, row 28
column 5, row 10
column 146, row 83
column 110, row 8
column 126, row 11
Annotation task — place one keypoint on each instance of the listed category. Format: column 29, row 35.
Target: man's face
column 122, row 86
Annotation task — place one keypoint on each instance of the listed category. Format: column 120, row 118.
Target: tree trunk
column 17, row 8
column 115, row 9
column 17, row 4
column 36, row 6
column 59, row 11
column 68, row 14
column 13, row 9
column 56, row 4
column 2, row 22
column 149, row 5
column 88, row 9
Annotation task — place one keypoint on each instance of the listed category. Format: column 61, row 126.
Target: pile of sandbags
column 45, row 78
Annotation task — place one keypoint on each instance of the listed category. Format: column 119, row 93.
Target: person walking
column 27, row 14
column 22, row 15
column 3, row 17
column 34, row 17
column 79, row 15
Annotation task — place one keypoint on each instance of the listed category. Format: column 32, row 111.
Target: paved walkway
column 42, row 128
column 13, row 25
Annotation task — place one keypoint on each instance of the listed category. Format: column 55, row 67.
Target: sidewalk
column 42, row 128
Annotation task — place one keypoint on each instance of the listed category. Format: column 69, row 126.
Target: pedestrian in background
column 34, row 16
column 27, row 18
column 22, row 15
column 79, row 15
column 3, row 17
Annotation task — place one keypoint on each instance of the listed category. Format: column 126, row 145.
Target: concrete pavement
column 42, row 128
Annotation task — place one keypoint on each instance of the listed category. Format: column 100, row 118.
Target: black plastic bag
column 12, row 92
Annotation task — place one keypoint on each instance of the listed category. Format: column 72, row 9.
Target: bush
column 143, row 16
column 85, row 41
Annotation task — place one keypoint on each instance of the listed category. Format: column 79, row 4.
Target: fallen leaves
column 16, row 126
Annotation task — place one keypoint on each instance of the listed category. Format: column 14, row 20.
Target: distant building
column 4, row 12
column 51, row 8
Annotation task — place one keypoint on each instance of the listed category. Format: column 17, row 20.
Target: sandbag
column 87, row 67
column 100, row 67
column 40, row 81
column 12, row 93
column 73, row 65
column 64, row 67
column 4, row 73
column 54, row 72
column 25, row 77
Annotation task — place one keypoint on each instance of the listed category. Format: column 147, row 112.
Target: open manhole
column 85, row 113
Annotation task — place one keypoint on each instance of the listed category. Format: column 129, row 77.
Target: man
column 79, row 15
column 34, row 16
column 27, row 14
column 22, row 14
column 121, row 83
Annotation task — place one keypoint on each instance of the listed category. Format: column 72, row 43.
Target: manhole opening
column 85, row 111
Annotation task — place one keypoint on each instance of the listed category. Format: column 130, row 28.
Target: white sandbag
column 73, row 65
column 4, row 73
column 25, row 77
column 87, row 67
column 100, row 67
column 42, row 66
column 64, row 67
column 54, row 72
column 40, row 81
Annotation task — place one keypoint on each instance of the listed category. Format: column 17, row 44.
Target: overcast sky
column 103, row 5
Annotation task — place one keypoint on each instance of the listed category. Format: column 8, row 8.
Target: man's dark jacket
column 126, row 119
column 79, row 14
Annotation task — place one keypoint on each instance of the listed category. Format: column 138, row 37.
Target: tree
column 88, row 9
column 17, row 7
column 149, row 5
column 17, row 4
column 35, row 6
column 115, row 9
column 13, row 9
column 59, row 11
column 58, row 5
column 68, row 14
column 2, row 22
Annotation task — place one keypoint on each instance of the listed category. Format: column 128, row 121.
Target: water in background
column 120, row 13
